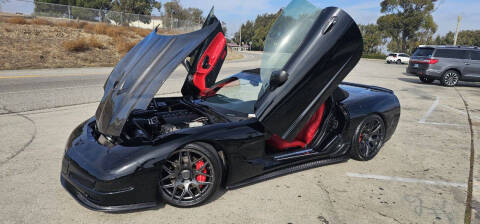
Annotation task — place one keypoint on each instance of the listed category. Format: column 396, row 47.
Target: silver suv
column 449, row 64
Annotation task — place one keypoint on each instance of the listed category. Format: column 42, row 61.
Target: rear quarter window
column 448, row 53
column 423, row 52
column 475, row 55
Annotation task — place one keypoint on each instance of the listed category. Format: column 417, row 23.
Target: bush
column 78, row 45
column 17, row 20
column 94, row 43
column 39, row 21
column 71, row 24
column 141, row 32
column 374, row 56
column 123, row 46
column 100, row 28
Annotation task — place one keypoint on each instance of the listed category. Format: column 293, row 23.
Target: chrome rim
column 371, row 137
column 451, row 78
column 187, row 175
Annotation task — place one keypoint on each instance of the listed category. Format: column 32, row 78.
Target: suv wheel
column 399, row 61
column 425, row 79
column 450, row 78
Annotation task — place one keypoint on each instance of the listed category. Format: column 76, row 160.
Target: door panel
column 330, row 50
column 472, row 67
column 206, row 61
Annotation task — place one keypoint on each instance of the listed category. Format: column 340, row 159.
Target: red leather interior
column 304, row 137
column 214, row 52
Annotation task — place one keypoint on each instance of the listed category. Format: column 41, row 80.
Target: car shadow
column 436, row 82
column 409, row 74
column 157, row 207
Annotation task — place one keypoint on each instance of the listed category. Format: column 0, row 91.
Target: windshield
column 239, row 95
column 285, row 36
column 423, row 52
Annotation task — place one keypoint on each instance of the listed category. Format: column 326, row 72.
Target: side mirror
column 278, row 78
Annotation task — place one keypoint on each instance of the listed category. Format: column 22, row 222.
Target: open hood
column 139, row 75
column 307, row 53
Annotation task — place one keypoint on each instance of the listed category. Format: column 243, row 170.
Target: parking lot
column 420, row 175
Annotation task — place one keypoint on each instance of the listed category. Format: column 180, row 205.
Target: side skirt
column 288, row 170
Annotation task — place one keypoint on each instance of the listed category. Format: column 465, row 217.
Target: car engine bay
column 161, row 117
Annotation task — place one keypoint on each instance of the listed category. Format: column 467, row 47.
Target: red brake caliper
column 200, row 178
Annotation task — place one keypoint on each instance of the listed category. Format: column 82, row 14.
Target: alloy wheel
column 450, row 78
column 372, row 134
column 188, row 175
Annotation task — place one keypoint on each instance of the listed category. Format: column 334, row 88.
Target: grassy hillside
column 42, row 43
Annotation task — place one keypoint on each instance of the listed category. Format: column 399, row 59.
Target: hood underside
column 139, row 75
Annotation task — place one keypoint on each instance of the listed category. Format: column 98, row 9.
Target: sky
column 236, row 12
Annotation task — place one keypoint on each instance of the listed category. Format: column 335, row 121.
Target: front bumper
column 83, row 196
column 90, row 174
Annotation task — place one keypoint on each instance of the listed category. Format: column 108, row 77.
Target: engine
column 160, row 118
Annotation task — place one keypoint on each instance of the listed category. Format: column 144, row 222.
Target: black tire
column 181, row 182
column 388, row 62
column 426, row 79
column 399, row 61
column 368, row 139
column 450, row 78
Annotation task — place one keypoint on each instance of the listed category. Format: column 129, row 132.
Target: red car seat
column 304, row 137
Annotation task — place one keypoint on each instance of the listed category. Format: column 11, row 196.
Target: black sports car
column 290, row 115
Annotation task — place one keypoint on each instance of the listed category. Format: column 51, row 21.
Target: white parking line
column 434, row 105
column 445, row 124
column 406, row 180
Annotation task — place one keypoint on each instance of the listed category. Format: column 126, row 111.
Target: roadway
column 34, row 89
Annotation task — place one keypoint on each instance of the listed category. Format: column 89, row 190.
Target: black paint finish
column 321, row 62
column 120, row 177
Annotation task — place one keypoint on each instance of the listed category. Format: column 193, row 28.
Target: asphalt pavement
column 420, row 176
column 34, row 89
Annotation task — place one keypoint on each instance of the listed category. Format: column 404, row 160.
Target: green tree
column 42, row 9
column 372, row 38
column 262, row 25
column 256, row 31
column 175, row 13
column 407, row 23
column 465, row 37
column 247, row 33
column 143, row 7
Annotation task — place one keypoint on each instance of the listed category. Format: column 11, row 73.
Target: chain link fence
column 42, row 9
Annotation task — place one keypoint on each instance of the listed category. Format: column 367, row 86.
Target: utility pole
column 240, row 38
column 456, row 32
column 171, row 19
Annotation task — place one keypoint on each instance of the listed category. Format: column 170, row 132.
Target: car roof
column 450, row 47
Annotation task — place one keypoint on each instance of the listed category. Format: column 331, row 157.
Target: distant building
column 237, row 47
column 155, row 21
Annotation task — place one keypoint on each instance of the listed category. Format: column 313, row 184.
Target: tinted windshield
column 286, row 35
column 238, row 96
column 423, row 52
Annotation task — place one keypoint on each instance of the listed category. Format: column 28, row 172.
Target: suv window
column 423, row 52
column 475, row 55
column 403, row 55
column 449, row 53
